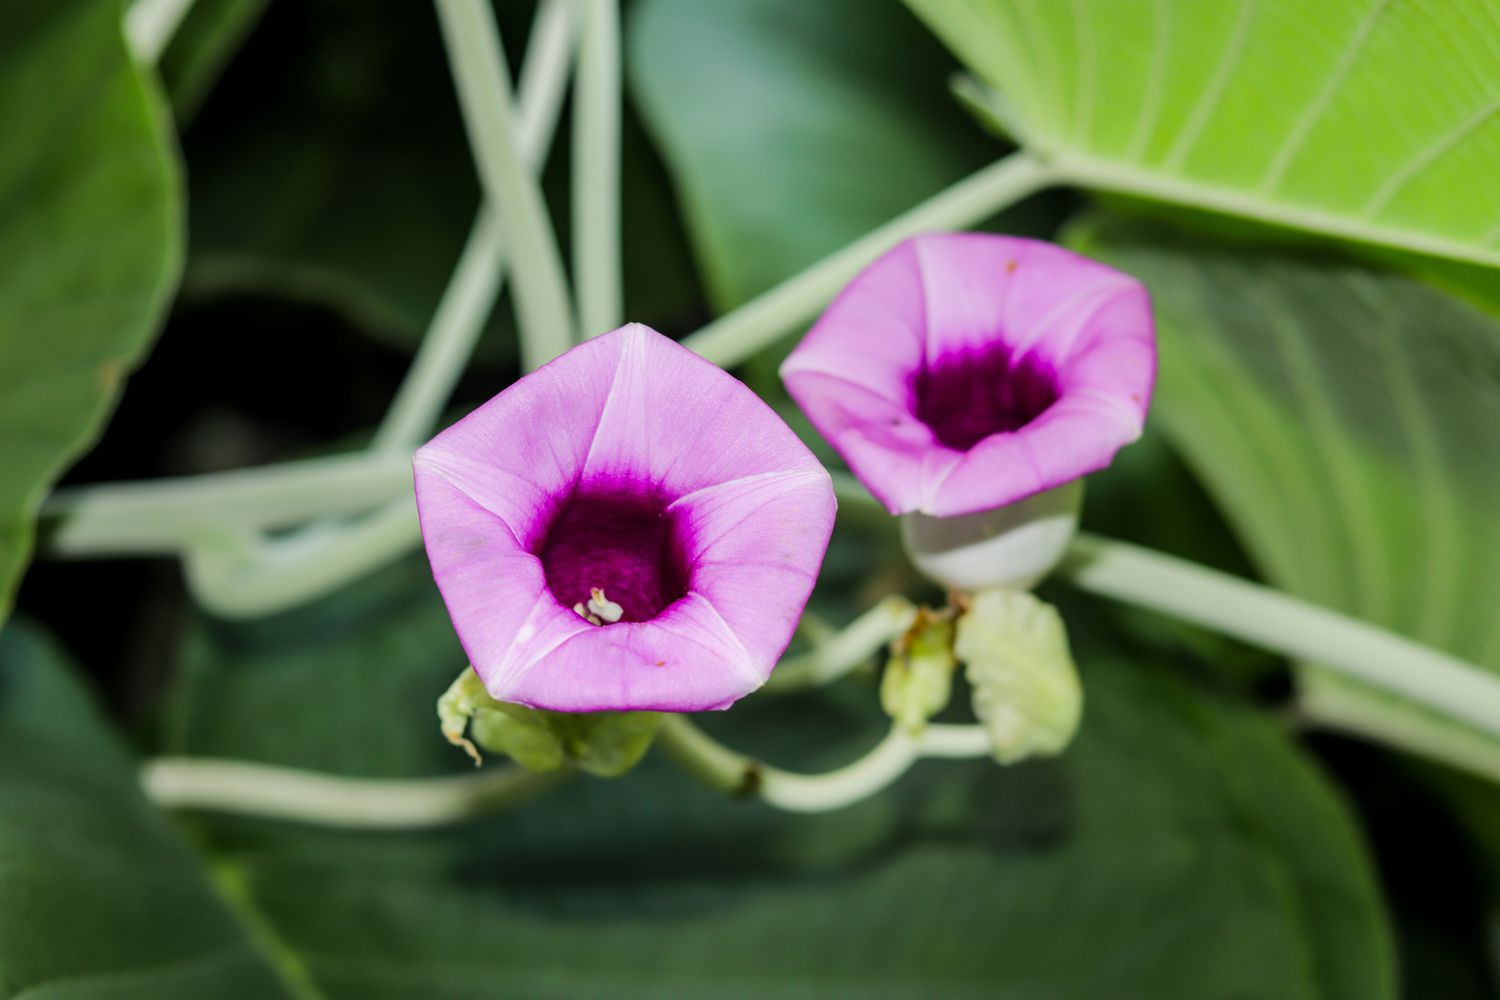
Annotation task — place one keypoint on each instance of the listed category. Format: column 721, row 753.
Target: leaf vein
column 1426, row 158
column 1214, row 92
column 1304, row 125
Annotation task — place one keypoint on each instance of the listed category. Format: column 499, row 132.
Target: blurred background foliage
column 1325, row 420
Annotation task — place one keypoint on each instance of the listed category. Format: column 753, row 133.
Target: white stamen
column 606, row 610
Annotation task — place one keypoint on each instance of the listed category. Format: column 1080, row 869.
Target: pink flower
column 627, row 528
column 962, row 372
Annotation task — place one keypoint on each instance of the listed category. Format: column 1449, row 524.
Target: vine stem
column 286, row 793
column 1281, row 623
column 150, row 25
column 246, row 575
column 758, row 323
column 469, row 298
column 168, row 516
column 726, row 770
column 596, row 171
column 118, row 519
column 482, row 78
column 846, row 649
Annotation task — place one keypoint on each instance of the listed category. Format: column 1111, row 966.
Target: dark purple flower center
column 969, row 395
column 620, row 539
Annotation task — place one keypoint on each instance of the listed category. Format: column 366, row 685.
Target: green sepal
column 606, row 744
column 918, row 679
column 1026, row 688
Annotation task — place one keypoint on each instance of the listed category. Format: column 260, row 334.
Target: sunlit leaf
column 1371, row 120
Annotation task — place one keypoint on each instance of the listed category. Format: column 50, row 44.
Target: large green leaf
column 792, row 128
column 1183, row 848
column 1348, row 422
column 1373, row 120
column 98, row 896
column 89, row 243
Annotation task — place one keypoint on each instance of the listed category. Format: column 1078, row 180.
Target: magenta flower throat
column 626, row 528
column 962, row 372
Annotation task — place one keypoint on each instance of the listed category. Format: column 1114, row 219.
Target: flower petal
column 622, row 422
column 682, row 423
column 943, row 314
column 520, row 452
column 495, row 590
column 748, row 540
column 685, row 660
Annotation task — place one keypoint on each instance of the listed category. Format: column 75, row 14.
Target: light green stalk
column 596, row 171
column 484, row 94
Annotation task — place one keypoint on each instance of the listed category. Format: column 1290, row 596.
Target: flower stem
column 483, row 80
column 150, row 25
column 286, row 793
column 123, row 519
column 166, row 516
column 1279, row 622
column 596, row 171
column 251, row 576
column 846, row 649
column 467, row 302
column 755, row 325
column 725, row 770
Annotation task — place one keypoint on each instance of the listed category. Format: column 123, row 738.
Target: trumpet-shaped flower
column 626, row 528
column 962, row 372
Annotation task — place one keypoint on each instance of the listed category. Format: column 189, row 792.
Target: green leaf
column 788, row 133
column 1348, row 423
column 1370, row 120
column 89, row 248
column 98, row 896
column 1182, row 848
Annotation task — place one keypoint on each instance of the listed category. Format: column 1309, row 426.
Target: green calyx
column 606, row 744
column 918, row 679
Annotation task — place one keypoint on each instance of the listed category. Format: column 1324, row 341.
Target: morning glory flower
column 627, row 528
column 966, row 373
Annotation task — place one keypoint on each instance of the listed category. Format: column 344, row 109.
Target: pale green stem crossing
column 484, row 94
column 246, row 577
column 472, row 291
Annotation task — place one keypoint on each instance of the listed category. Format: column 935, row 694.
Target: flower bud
column 1026, row 689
